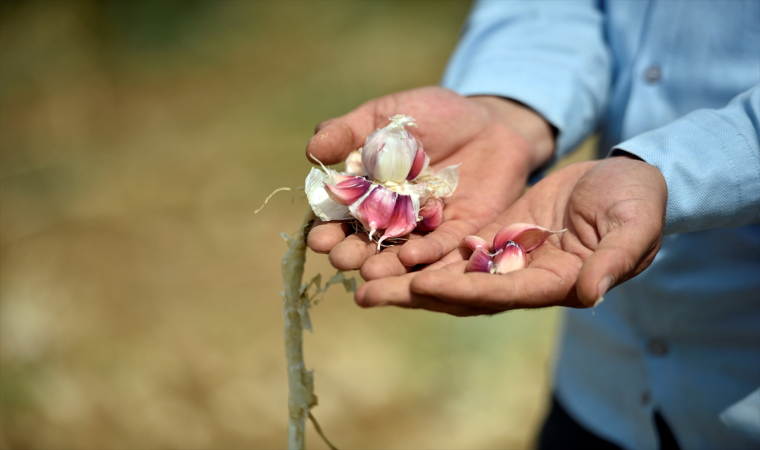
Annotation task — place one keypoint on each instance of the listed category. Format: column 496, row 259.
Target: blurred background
column 139, row 294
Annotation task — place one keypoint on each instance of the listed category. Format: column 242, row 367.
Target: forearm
column 539, row 134
column 711, row 162
column 548, row 55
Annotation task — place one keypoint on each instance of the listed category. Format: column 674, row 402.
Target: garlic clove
column 349, row 190
column 510, row 259
column 420, row 161
column 480, row 261
column 403, row 220
column 476, row 242
column 372, row 146
column 389, row 153
column 375, row 209
column 432, row 215
column 354, row 163
column 529, row 236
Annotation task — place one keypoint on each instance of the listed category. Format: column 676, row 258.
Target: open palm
column 613, row 211
column 476, row 132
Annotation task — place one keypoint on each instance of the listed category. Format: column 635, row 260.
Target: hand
column 498, row 143
column 614, row 213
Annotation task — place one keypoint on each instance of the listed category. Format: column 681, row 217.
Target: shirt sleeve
column 711, row 162
column 549, row 55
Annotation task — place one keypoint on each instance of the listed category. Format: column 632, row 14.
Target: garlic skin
column 321, row 203
column 384, row 184
column 390, row 153
column 527, row 235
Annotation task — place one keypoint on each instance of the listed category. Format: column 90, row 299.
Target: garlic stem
column 300, row 381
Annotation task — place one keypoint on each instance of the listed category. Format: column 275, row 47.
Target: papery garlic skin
column 389, row 153
column 440, row 184
column 321, row 203
column 529, row 236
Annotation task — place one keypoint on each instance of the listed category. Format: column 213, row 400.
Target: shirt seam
column 737, row 181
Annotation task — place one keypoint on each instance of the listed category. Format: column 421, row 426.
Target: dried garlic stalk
column 300, row 381
column 297, row 299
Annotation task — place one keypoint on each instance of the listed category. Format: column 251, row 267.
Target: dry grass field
column 139, row 304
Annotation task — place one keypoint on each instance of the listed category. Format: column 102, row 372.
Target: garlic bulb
column 384, row 184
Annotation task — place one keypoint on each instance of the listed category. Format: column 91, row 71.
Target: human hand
column 498, row 143
column 614, row 212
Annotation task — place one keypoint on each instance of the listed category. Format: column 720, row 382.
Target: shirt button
column 646, row 397
column 652, row 74
column 657, row 347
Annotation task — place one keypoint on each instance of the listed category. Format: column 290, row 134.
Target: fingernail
column 602, row 289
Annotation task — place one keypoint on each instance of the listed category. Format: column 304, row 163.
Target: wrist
column 530, row 125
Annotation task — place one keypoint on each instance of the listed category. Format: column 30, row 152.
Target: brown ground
column 139, row 303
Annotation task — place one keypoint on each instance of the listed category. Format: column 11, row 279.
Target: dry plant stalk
column 300, row 381
column 297, row 300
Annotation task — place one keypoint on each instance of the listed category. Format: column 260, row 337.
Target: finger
column 323, row 236
column 387, row 264
column 334, row 139
column 384, row 264
column 457, row 255
column 546, row 283
column 437, row 244
column 388, row 291
column 621, row 254
column 352, row 252
column 395, row 292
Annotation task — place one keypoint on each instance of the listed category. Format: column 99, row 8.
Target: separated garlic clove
column 389, row 153
column 432, row 215
column 375, row 210
column 476, row 242
column 480, row 261
column 527, row 235
column 349, row 190
column 511, row 258
column 403, row 221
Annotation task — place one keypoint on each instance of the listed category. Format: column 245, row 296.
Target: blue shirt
column 676, row 83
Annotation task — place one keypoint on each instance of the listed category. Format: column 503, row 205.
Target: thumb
column 334, row 139
column 622, row 254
